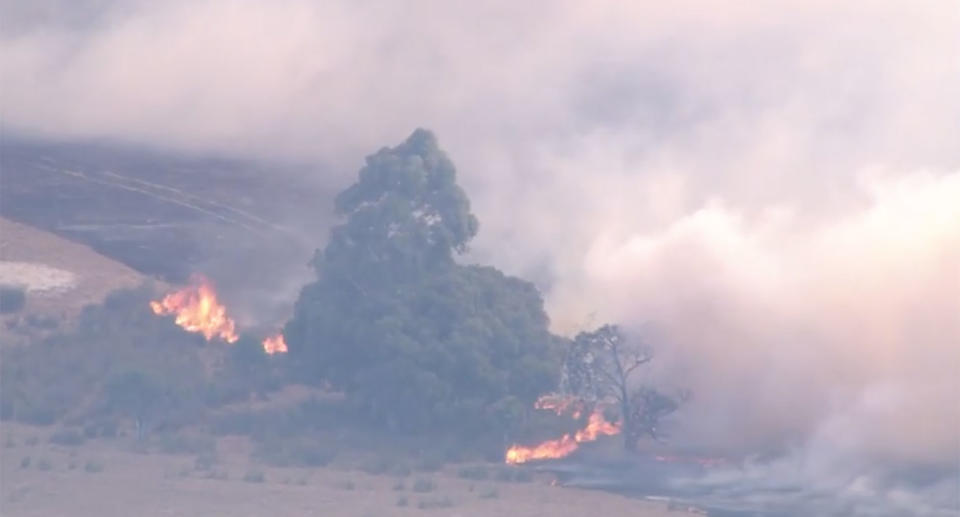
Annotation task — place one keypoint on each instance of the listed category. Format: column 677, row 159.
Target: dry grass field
column 94, row 275
column 60, row 278
column 100, row 480
column 107, row 479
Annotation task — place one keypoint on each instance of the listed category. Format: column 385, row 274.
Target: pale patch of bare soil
column 61, row 276
column 99, row 480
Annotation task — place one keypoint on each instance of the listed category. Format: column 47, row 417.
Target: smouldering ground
column 68, row 481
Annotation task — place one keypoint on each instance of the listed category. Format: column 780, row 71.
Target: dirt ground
column 99, row 480
column 95, row 275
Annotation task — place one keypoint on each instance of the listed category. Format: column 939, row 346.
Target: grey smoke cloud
column 774, row 185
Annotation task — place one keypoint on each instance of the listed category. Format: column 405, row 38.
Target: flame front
column 197, row 310
column 596, row 426
column 561, row 405
column 275, row 344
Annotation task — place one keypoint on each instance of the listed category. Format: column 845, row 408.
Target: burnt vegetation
column 403, row 346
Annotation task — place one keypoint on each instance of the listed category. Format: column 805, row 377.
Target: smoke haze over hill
column 771, row 191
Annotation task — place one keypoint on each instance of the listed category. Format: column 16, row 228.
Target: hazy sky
column 774, row 185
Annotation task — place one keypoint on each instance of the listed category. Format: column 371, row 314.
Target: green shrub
column 440, row 502
column 399, row 485
column 401, row 470
column 402, row 501
column 42, row 322
column 105, row 427
column 346, row 485
column 422, row 485
column 205, row 460
column 93, row 466
column 477, row 472
column 12, row 299
column 305, row 452
column 25, row 462
column 490, row 493
column 182, row 443
column 513, row 474
column 44, row 464
column 254, row 476
column 379, row 465
column 69, row 437
column 217, row 474
column 431, row 462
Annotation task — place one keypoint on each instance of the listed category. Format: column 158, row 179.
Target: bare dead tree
column 599, row 369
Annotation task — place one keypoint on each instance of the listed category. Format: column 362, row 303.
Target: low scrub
column 422, row 485
column 303, row 452
column 69, row 437
column 12, row 299
column 255, row 476
column 433, row 503
column 184, row 443
column 513, row 475
column 475, row 472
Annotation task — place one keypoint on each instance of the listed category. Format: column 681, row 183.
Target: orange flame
column 596, row 426
column 561, row 405
column 274, row 344
column 197, row 310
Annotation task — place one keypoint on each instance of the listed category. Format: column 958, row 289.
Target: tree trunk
column 628, row 430
column 630, row 438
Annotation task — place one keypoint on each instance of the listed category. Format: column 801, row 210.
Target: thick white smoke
column 846, row 330
column 773, row 185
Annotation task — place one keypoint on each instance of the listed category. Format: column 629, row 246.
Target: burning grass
column 596, row 426
column 196, row 308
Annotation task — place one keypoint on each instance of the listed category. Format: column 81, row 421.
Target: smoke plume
column 773, row 187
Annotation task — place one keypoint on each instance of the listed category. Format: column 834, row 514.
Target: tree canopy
column 599, row 369
column 412, row 337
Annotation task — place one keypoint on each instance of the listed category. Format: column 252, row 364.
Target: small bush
column 217, row 474
column 205, row 461
column 9, row 443
column 42, row 322
column 302, row 452
column 44, row 464
column 25, row 462
column 430, row 462
column 490, row 493
column 69, row 437
column 423, row 485
column 12, row 299
column 429, row 504
column 399, row 485
column 254, row 476
column 402, row 501
column 106, row 428
column 33, row 440
column 93, row 467
column 177, row 443
column 401, row 470
column 513, row 474
column 346, row 485
column 477, row 472
column 380, row 465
